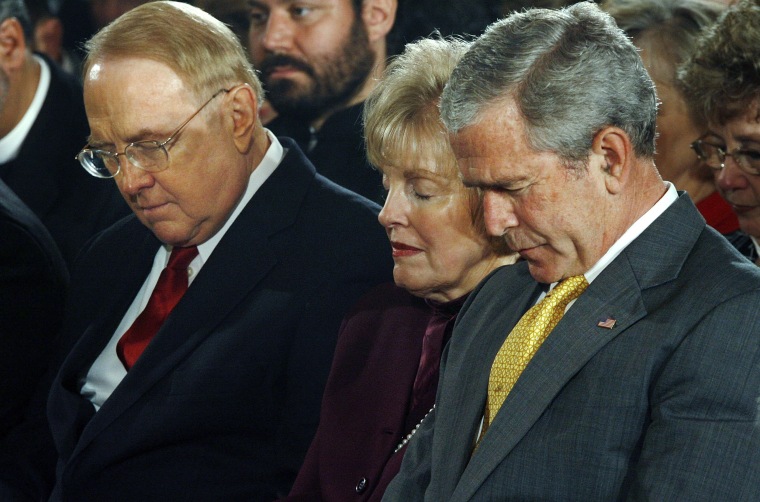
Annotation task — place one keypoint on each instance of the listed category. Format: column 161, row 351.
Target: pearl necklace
column 409, row 436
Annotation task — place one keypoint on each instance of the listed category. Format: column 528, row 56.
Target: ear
column 612, row 151
column 12, row 45
column 378, row 17
column 242, row 102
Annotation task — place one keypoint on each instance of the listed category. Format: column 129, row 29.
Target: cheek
column 754, row 183
column 455, row 242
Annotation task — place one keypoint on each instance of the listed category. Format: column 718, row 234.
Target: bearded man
column 318, row 63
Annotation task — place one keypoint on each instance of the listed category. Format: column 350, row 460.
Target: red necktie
column 171, row 285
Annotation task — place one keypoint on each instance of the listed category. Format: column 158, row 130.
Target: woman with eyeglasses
column 666, row 33
column 722, row 84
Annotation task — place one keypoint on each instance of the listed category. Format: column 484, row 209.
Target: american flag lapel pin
column 608, row 323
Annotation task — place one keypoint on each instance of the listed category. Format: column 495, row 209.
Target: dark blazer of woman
column 368, row 408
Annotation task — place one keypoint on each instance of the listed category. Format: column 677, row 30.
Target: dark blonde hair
column 402, row 121
column 723, row 75
column 203, row 51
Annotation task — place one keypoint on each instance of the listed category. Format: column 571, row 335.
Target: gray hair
column 666, row 29
column 571, row 72
column 17, row 9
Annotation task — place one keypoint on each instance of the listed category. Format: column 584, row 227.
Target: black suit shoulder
column 33, row 282
column 337, row 150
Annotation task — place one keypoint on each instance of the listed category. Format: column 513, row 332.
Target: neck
column 23, row 86
column 641, row 194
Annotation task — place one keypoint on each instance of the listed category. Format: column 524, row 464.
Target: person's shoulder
column 339, row 207
column 319, row 196
column 719, row 260
column 343, row 121
column 124, row 234
column 516, row 273
column 503, row 285
column 27, row 239
column 714, row 273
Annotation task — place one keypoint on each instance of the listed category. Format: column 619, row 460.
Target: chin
column 543, row 275
column 410, row 286
column 172, row 237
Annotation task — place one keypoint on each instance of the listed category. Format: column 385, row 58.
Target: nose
column 133, row 179
column 498, row 212
column 394, row 211
column 278, row 33
column 731, row 177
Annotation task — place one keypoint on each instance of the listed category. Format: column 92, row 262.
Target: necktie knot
column 180, row 258
column 567, row 290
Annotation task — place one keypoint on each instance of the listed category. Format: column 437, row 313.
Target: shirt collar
column 10, row 144
column 638, row 227
column 272, row 158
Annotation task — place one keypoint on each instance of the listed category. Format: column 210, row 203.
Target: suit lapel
column 82, row 351
column 240, row 261
column 654, row 258
column 86, row 347
column 459, row 407
column 568, row 348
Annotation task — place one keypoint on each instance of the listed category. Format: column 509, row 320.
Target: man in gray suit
column 647, row 388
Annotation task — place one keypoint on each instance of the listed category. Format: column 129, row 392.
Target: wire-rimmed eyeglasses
column 714, row 156
column 150, row 156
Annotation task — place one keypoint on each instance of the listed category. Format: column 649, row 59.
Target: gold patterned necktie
column 525, row 339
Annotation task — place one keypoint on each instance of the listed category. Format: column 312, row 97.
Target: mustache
column 272, row 61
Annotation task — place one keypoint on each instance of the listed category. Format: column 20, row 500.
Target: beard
column 333, row 79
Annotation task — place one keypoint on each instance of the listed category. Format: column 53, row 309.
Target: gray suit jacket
column 663, row 406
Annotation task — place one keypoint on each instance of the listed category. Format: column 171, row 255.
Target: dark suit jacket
column 33, row 281
column 73, row 205
column 367, row 398
column 223, row 403
column 663, row 406
column 339, row 151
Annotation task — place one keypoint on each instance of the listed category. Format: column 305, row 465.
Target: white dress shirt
column 107, row 371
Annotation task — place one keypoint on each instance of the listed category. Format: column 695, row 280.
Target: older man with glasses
column 199, row 332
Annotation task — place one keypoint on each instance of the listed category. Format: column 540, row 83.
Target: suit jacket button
column 361, row 485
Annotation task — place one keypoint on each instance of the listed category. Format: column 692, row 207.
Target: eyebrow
column 747, row 139
column 141, row 135
column 256, row 4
